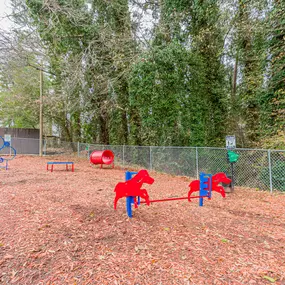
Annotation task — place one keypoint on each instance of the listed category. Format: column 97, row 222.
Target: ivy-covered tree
column 250, row 52
column 208, row 43
column 273, row 98
column 178, row 84
column 164, row 91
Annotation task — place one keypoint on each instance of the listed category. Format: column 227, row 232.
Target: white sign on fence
column 7, row 138
column 230, row 142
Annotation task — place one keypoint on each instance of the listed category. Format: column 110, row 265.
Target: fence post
column 123, row 155
column 45, row 147
column 197, row 163
column 270, row 171
column 78, row 146
column 150, row 159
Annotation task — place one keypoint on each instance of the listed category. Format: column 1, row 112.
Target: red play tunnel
column 102, row 157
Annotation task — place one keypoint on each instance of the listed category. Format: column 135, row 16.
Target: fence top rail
column 277, row 150
column 187, row 147
column 166, row 147
column 17, row 138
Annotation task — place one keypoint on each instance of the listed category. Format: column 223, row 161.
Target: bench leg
column 51, row 168
column 66, row 166
column 47, row 167
column 72, row 168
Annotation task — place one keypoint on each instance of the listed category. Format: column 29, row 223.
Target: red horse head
column 143, row 177
column 221, row 178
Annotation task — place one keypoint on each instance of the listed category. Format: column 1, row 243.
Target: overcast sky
column 4, row 11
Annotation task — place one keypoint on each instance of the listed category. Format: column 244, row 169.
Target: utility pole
column 41, row 114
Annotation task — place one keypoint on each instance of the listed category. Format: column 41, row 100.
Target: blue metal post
column 129, row 200
column 205, row 182
column 210, row 186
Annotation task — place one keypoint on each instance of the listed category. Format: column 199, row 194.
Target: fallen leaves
column 224, row 240
column 270, row 279
column 68, row 232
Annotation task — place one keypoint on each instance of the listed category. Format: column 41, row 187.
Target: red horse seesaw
column 131, row 189
column 216, row 180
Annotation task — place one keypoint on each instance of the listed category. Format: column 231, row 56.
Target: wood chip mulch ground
column 61, row 228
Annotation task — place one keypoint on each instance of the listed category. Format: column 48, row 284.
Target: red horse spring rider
column 131, row 189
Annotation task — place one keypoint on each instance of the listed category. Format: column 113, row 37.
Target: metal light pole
column 41, row 113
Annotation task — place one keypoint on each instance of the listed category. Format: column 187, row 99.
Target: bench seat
column 52, row 163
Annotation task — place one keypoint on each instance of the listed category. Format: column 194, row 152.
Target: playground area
column 61, row 228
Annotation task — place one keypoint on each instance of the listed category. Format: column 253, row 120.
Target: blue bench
column 60, row 162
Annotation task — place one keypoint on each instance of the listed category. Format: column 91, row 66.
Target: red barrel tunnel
column 102, row 157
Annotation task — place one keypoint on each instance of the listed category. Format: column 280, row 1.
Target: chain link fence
column 277, row 173
column 256, row 168
column 57, row 147
column 22, row 146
